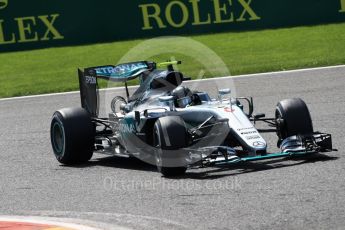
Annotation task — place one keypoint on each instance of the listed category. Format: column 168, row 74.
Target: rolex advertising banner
column 32, row 24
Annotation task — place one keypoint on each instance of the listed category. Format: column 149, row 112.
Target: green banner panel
column 32, row 24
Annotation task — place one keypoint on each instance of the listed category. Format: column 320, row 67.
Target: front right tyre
column 72, row 135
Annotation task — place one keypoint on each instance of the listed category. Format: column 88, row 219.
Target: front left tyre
column 72, row 134
column 292, row 117
column 169, row 138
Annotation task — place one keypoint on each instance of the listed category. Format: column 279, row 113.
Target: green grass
column 54, row 69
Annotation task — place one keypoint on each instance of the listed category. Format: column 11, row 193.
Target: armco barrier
column 34, row 24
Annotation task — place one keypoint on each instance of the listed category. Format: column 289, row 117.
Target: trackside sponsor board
column 35, row 24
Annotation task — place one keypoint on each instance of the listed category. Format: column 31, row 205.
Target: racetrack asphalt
column 110, row 192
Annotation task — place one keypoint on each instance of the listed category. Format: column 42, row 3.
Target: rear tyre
column 72, row 135
column 292, row 117
column 170, row 135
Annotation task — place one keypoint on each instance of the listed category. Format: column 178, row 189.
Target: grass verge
column 54, row 69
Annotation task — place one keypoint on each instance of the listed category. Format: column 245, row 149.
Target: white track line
column 58, row 222
column 47, row 221
column 207, row 79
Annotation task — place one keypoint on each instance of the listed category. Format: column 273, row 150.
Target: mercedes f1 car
column 168, row 125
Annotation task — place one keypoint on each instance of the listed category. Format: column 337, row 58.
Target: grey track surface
column 289, row 194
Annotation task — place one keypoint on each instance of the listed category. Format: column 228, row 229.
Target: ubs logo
column 3, row 4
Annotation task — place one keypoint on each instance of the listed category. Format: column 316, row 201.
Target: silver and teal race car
column 166, row 124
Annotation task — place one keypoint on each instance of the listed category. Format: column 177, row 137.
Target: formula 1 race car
column 168, row 125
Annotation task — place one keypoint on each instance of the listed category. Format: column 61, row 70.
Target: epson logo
column 90, row 80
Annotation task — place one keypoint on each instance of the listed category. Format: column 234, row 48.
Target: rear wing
column 88, row 77
column 88, row 80
column 122, row 72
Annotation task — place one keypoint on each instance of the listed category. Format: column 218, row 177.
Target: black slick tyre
column 170, row 136
column 72, row 135
column 292, row 117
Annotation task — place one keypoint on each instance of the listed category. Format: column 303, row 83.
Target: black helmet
column 182, row 96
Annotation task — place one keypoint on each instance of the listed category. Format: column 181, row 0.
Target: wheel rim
column 58, row 137
column 279, row 123
column 116, row 103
